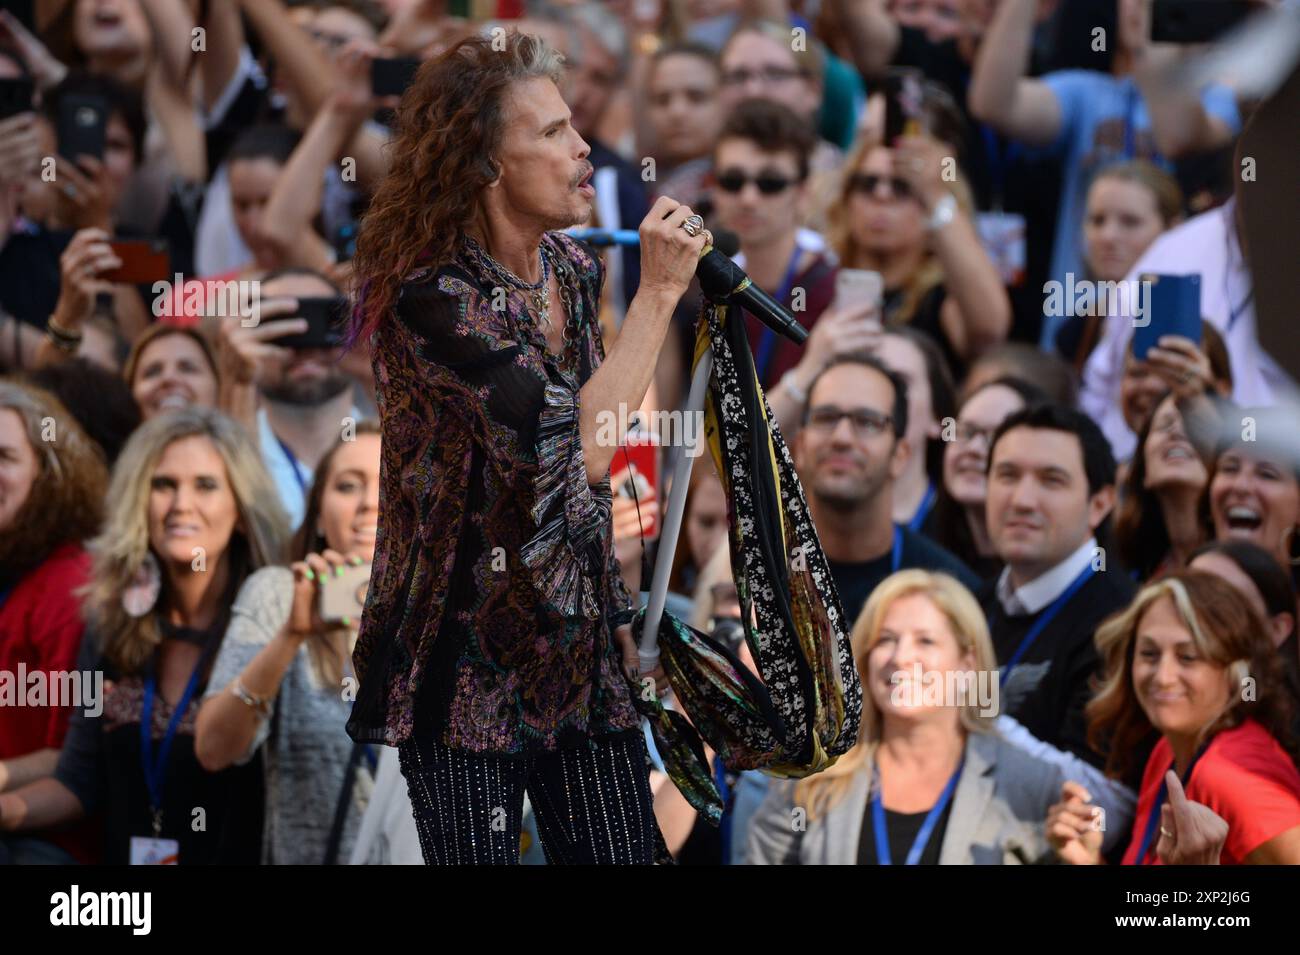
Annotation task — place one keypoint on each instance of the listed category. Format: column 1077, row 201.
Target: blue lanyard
column 1130, row 136
column 767, row 342
column 1043, row 620
column 1153, row 820
column 883, row 855
column 293, row 465
column 923, row 509
column 155, row 769
column 896, row 554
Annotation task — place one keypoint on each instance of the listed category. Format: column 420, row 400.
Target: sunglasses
column 867, row 183
column 769, row 184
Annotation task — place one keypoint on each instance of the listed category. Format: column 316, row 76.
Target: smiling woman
column 191, row 514
column 1191, row 660
column 1254, row 490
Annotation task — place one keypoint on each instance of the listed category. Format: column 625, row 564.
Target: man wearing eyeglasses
column 848, row 452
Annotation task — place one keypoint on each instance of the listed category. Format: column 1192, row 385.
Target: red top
column 40, row 630
column 1244, row 775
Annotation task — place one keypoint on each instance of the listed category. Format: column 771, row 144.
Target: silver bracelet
column 262, row 706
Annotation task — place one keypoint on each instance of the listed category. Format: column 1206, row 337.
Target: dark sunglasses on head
column 869, row 182
column 769, row 184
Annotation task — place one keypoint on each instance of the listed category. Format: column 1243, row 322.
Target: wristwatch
column 944, row 211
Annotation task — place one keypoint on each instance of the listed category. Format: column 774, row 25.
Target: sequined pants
column 593, row 806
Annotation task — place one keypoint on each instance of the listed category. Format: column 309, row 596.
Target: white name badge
column 155, row 851
column 1003, row 237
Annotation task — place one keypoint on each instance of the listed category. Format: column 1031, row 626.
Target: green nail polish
column 338, row 571
column 310, row 575
column 347, row 622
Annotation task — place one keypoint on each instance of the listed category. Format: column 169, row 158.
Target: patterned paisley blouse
column 488, row 615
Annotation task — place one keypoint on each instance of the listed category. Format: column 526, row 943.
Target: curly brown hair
column 449, row 127
column 66, row 501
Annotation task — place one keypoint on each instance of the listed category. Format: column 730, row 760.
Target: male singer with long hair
column 487, row 652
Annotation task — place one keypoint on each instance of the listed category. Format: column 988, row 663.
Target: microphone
column 724, row 282
column 603, row 238
column 721, row 280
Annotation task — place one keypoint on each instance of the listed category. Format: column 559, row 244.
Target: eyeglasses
column 868, row 183
column 769, row 75
column 966, row 433
column 769, row 183
column 865, row 422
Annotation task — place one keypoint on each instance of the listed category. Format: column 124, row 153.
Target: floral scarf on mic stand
column 804, row 713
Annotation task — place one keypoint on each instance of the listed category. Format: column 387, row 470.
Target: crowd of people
column 1090, row 552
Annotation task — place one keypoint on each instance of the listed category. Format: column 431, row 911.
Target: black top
column 902, row 828
column 855, row 581
column 1049, row 687
column 29, row 274
column 101, row 764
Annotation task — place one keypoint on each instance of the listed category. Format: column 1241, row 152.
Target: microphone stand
column 648, row 646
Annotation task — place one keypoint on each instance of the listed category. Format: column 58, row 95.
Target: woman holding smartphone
column 281, row 657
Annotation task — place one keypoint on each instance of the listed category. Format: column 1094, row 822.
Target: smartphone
column 391, row 77
column 854, row 286
column 1174, row 309
column 343, row 597
column 325, row 319
column 16, row 96
column 1196, row 21
column 639, row 456
column 904, row 103
column 144, row 261
column 83, row 119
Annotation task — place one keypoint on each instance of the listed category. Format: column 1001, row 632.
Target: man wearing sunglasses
column 760, row 171
column 849, row 452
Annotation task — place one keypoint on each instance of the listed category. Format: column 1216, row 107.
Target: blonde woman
column 1193, row 661
column 930, row 781
column 281, row 660
column 905, row 211
column 191, row 514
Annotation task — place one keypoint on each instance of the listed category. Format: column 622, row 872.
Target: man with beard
column 305, row 396
column 849, row 451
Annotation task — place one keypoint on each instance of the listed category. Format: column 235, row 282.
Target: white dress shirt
column 1046, row 587
column 1205, row 244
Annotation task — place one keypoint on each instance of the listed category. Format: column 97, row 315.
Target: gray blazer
column 997, row 814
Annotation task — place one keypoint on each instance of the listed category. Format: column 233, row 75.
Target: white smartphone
column 855, row 286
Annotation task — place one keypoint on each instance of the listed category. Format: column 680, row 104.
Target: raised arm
column 1180, row 123
column 1000, row 94
column 668, row 260
column 977, row 311
column 300, row 61
column 871, row 33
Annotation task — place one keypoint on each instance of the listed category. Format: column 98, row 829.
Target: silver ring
column 693, row 225
column 70, row 190
column 1165, row 832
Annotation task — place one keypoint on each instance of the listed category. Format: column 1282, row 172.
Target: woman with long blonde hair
column 191, row 513
column 283, row 659
column 930, row 781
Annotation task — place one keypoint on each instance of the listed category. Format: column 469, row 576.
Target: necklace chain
column 538, row 294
